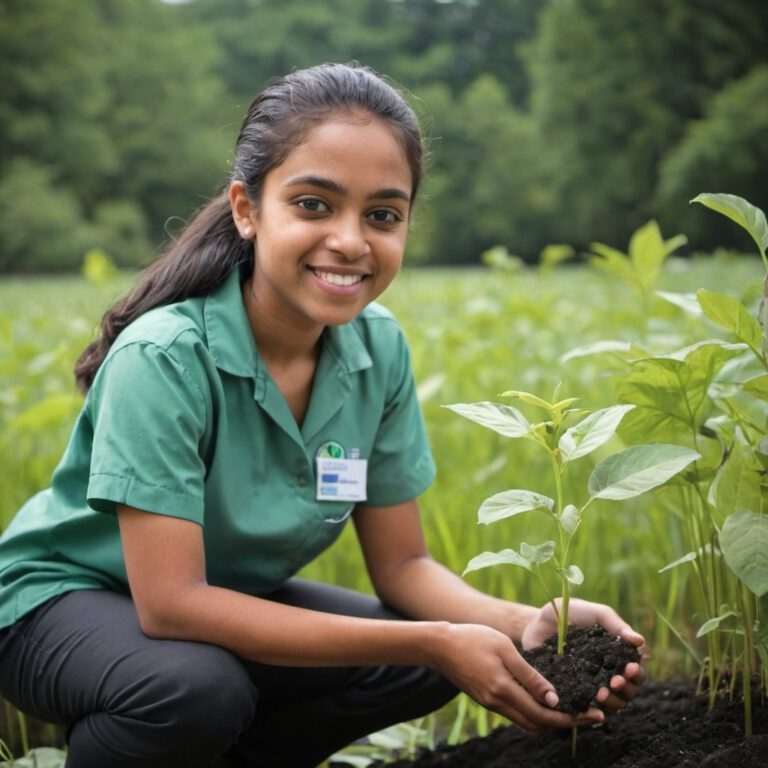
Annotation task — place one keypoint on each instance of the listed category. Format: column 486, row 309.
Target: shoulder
column 379, row 328
column 165, row 327
column 164, row 344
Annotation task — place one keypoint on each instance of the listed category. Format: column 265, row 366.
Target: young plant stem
column 562, row 616
column 23, row 731
column 746, row 668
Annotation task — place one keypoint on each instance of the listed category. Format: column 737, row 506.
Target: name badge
column 341, row 479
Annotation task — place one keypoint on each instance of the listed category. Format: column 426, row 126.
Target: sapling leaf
column 570, row 519
column 737, row 482
column 538, row 553
column 592, row 432
column 638, row 469
column 687, row 558
column 509, row 503
column 676, row 386
column 504, row 419
column 746, row 215
column 529, row 398
column 686, row 301
column 504, row 557
column 732, row 315
column 758, row 386
column 647, row 252
column 574, row 575
column 712, row 624
column 614, row 262
column 609, row 346
column 744, row 542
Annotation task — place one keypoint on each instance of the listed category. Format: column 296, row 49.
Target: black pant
column 127, row 700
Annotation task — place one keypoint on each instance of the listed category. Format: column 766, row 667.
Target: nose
column 348, row 237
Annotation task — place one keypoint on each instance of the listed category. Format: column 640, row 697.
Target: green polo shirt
column 183, row 419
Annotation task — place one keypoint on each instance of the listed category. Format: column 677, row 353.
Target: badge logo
column 331, row 450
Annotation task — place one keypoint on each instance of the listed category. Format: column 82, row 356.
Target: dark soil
column 666, row 725
column 592, row 657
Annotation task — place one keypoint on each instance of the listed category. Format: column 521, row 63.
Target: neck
column 279, row 341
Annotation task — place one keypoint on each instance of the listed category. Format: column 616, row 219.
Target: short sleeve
column 401, row 466
column 149, row 416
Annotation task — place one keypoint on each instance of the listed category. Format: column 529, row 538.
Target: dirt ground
column 666, row 726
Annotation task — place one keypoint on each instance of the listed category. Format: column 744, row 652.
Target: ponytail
column 207, row 251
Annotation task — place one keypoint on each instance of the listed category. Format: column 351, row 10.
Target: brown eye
column 313, row 205
column 385, row 217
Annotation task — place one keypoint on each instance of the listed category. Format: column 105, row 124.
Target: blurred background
column 550, row 120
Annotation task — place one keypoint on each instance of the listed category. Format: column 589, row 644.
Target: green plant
column 619, row 476
column 711, row 395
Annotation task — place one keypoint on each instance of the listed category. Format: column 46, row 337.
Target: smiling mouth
column 336, row 279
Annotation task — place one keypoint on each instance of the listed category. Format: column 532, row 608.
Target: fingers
column 518, row 706
column 622, row 689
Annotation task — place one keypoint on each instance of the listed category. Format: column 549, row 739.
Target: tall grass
column 473, row 334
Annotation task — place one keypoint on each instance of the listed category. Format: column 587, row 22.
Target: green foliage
column 42, row 757
column 710, row 395
column 470, row 333
column 562, row 121
column 723, row 148
column 619, row 476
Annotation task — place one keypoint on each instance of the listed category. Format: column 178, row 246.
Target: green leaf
column 614, row 262
column 647, row 252
column 638, row 469
column 504, row 419
column 688, row 558
column 676, row 386
column 746, row 215
column 42, row 757
column 538, row 553
column 758, row 386
column 592, row 432
column 527, row 397
column 713, row 624
column 98, row 267
column 570, row 519
column 554, row 254
column 737, row 482
column 622, row 348
column 504, row 557
column 509, row 503
column 744, row 543
column 686, row 301
column 732, row 315
column 574, row 575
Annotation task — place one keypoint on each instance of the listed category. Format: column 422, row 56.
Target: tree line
column 549, row 120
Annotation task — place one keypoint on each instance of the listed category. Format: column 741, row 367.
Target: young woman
column 244, row 401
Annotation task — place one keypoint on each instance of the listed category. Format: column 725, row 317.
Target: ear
column 243, row 210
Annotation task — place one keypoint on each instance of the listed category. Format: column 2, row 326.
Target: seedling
column 622, row 475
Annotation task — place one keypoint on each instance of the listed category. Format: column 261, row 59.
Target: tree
column 724, row 151
column 614, row 84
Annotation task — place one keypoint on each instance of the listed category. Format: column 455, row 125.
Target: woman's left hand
column 581, row 613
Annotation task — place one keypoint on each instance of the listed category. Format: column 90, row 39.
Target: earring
column 246, row 233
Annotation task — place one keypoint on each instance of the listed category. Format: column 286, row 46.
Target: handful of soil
column 592, row 657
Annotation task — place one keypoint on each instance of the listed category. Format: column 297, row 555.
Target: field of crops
column 473, row 335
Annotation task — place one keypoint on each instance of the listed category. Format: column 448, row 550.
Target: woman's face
column 331, row 224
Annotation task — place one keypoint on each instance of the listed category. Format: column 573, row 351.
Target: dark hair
column 278, row 120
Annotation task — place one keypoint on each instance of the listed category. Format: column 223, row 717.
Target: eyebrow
column 334, row 186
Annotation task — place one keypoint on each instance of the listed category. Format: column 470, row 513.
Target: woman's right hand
column 486, row 665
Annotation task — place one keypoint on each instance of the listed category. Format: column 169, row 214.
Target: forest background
column 550, row 120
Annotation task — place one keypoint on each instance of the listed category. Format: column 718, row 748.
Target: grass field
column 473, row 334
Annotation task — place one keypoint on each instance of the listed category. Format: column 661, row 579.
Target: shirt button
column 302, row 480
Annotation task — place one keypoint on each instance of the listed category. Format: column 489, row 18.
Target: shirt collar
column 232, row 345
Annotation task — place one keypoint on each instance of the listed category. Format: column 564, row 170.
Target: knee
column 201, row 700
column 216, row 700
